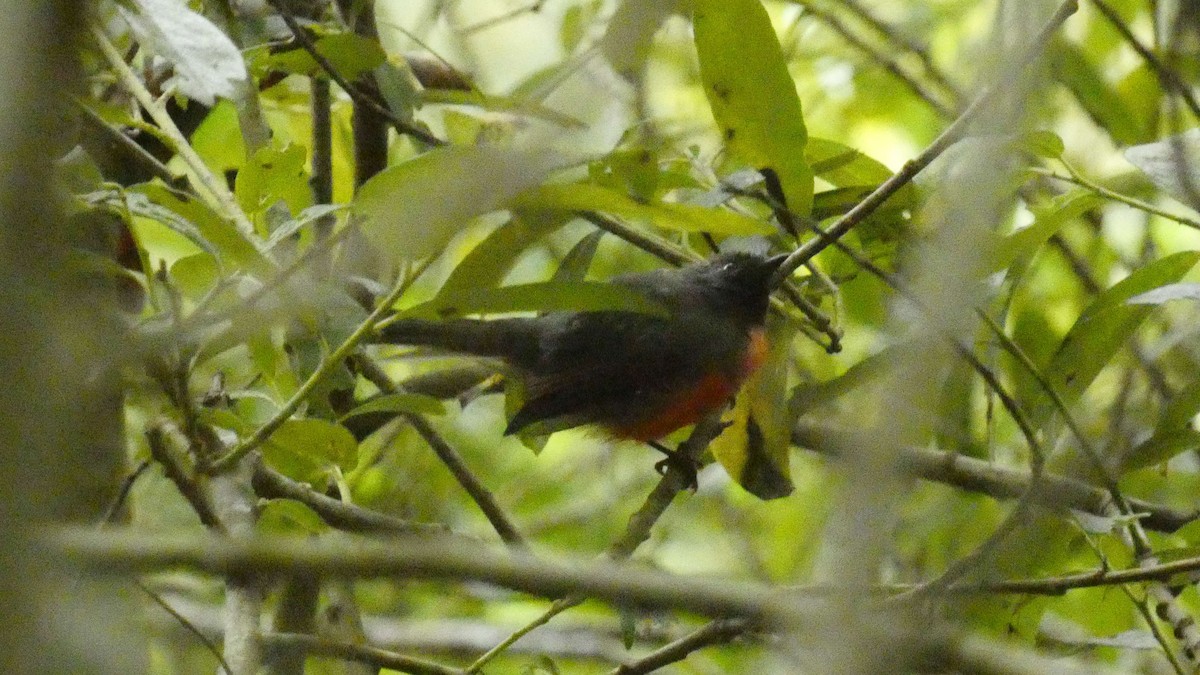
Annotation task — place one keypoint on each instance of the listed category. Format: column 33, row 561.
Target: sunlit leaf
column 751, row 93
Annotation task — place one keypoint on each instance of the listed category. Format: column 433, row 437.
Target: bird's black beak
column 771, row 268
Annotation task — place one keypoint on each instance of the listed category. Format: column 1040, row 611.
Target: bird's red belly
column 711, row 392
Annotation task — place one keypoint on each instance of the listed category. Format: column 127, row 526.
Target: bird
column 636, row 376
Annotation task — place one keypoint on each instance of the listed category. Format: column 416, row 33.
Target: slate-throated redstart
column 638, row 376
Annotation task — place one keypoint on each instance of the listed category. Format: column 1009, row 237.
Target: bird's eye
column 727, row 267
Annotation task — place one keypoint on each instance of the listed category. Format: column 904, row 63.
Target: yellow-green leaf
column 680, row 217
column 751, row 93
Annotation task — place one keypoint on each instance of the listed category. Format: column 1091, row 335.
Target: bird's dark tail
column 513, row 340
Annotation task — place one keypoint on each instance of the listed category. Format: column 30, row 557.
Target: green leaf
column 195, row 220
column 413, row 208
column 751, row 93
column 1098, row 98
column 844, row 166
column 289, row 517
column 218, row 140
column 680, row 217
column 1106, row 325
column 575, row 263
column 755, row 446
column 488, row 263
column 1174, row 433
column 399, row 403
column 304, row 449
column 1042, row 144
column 1049, row 217
column 274, row 174
column 539, row 297
column 305, row 218
column 195, row 275
column 351, row 54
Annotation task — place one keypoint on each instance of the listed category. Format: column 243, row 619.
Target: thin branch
column 713, row 633
column 976, row 475
column 372, row 656
column 187, row 487
column 636, row 532
column 269, row 483
column 951, row 135
column 887, row 62
column 401, row 126
column 215, row 186
column 898, row 38
column 474, row 487
column 1167, row 75
column 187, row 625
column 328, row 365
column 1078, row 179
column 126, row 551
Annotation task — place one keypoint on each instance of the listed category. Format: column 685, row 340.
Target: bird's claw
column 686, row 466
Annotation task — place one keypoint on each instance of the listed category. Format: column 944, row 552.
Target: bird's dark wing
column 615, row 368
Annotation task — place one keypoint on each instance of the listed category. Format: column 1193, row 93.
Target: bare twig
column 482, row 497
column 372, row 656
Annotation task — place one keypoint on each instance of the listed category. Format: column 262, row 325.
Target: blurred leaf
column 1185, row 290
column 1173, row 434
column 488, row 263
column 195, row 220
column 629, row 34
column 1107, row 324
column 304, row 449
column 581, row 296
column 681, row 217
column 412, row 209
column 207, row 63
column 1049, row 217
column 1071, row 67
column 1172, row 164
column 305, row 218
column 283, row 517
column 195, row 275
column 751, row 93
column 1042, row 144
column 418, row 404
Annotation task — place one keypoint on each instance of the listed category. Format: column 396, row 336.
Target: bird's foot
column 685, row 465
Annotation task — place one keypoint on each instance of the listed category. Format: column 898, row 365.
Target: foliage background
column 997, row 415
